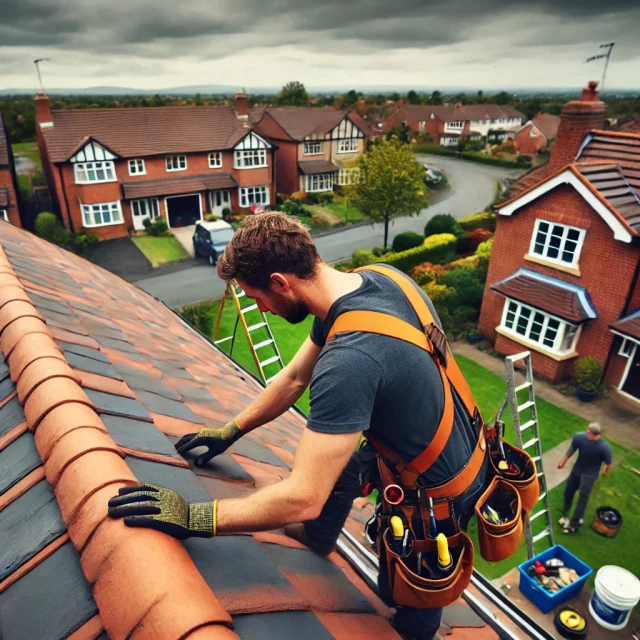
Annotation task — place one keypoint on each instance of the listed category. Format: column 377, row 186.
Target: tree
column 413, row 97
column 480, row 98
column 436, row 97
column 391, row 183
column 293, row 93
column 502, row 98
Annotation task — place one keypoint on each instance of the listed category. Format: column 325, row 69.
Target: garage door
column 183, row 210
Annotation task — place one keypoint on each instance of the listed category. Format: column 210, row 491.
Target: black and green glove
column 217, row 440
column 147, row 505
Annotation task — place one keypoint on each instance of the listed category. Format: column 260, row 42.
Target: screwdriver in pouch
column 400, row 535
column 499, row 427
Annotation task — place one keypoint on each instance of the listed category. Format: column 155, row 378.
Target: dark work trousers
column 421, row 624
column 578, row 480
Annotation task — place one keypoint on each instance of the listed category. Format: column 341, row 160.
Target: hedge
column 476, row 156
column 435, row 249
column 407, row 240
column 443, row 223
column 482, row 220
column 434, row 149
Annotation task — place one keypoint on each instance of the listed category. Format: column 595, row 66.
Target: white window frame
column 113, row 208
column 348, row 175
column 313, row 148
column 348, row 145
column 515, row 308
column 318, row 182
column 563, row 242
column 215, row 160
column 248, row 196
column 137, row 167
column 175, row 163
column 81, row 169
column 151, row 208
column 4, row 214
column 249, row 158
column 626, row 348
column 458, row 124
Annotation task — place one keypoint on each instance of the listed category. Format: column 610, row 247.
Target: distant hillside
column 205, row 89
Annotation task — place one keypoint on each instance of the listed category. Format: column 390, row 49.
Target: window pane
column 523, row 321
column 573, row 234
column 543, row 226
column 91, row 174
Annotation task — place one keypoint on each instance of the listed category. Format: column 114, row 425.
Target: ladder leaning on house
column 532, row 445
column 256, row 327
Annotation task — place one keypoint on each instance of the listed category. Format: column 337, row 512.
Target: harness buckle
column 438, row 340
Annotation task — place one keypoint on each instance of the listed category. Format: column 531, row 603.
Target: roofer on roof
column 362, row 381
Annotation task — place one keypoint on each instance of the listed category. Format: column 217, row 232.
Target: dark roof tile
column 91, row 365
column 166, row 407
column 629, row 325
column 301, row 122
column 135, row 434
column 117, row 405
column 257, row 452
column 178, row 185
column 311, row 167
column 11, row 414
column 18, row 460
column 276, row 626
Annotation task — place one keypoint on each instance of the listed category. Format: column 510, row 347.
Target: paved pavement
column 25, row 165
column 472, row 189
column 122, row 257
column 184, row 236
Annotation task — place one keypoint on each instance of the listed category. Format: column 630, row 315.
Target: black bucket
column 607, row 522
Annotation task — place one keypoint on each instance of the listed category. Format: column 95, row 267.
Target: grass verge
column 28, row 149
column 160, row 250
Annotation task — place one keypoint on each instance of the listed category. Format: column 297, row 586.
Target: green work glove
column 217, row 440
column 147, row 505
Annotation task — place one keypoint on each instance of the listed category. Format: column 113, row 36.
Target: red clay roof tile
column 17, row 309
column 105, row 384
column 30, row 349
column 41, row 370
column 9, row 293
column 51, row 394
column 12, row 434
column 17, row 330
column 347, row 626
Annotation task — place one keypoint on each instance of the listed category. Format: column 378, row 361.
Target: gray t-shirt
column 591, row 453
column 365, row 381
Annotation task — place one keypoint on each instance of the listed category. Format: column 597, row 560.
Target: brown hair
column 268, row 243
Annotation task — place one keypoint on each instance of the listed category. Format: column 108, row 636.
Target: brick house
column 538, row 134
column 563, row 279
column 9, row 204
column 109, row 169
column 447, row 123
column 315, row 147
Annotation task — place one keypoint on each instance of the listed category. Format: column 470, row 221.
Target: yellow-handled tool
column 397, row 527
column 444, row 556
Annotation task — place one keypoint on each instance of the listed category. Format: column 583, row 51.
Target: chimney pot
column 43, row 110
column 241, row 105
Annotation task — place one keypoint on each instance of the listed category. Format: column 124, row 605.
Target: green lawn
column 160, row 250
column 346, row 211
column 29, row 149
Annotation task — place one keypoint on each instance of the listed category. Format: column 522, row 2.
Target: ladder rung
column 251, row 307
column 268, row 380
column 536, row 458
column 542, row 534
column 253, row 327
column 520, row 387
column 526, row 425
column 543, row 495
column 223, row 340
column 537, row 515
column 540, row 474
column 527, row 444
column 264, row 343
column 527, row 405
column 270, row 361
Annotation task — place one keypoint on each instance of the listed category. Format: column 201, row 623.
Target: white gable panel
column 92, row 151
column 252, row 141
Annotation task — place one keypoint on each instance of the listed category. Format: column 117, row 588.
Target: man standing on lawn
column 360, row 382
column 592, row 452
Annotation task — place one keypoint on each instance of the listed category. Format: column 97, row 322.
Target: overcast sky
column 323, row 43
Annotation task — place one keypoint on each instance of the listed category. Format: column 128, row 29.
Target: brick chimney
column 241, row 105
column 43, row 111
column 578, row 118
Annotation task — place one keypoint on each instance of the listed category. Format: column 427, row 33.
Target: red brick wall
column 527, row 144
column 607, row 267
column 6, row 182
column 286, row 156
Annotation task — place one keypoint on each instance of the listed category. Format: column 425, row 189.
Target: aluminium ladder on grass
column 529, row 424
column 252, row 320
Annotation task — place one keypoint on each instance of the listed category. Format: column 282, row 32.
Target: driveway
column 122, row 257
column 25, row 165
column 472, row 189
column 184, row 235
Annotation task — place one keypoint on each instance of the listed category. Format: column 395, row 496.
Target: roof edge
column 66, row 448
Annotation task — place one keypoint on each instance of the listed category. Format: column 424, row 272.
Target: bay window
column 101, row 215
column 539, row 328
column 348, row 176
column 320, row 182
column 254, row 195
column 175, row 163
column 136, row 167
column 348, row 145
column 557, row 242
column 313, row 147
column 250, row 159
column 90, row 172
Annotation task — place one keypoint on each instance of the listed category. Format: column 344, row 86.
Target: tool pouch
column 412, row 590
column 499, row 541
column 527, row 484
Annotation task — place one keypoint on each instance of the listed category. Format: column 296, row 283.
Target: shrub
column 484, row 249
column 226, row 212
column 425, row 273
column 587, row 373
column 200, row 316
column 482, row 220
column 343, row 266
column 474, row 145
column 443, row 223
column 46, row 224
column 408, row 240
column 471, row 241
column 362, row 257
column 325, row 218
column 280, row 198
column 436, row 249
column 434, row 149
column 299, row 195
column 380, row 251
column 437, row 292
column 312, row 198
column 159, row 227
column 467, row 286
column 211, row 218
column 82, row 243
column 469, row 262
column 325, row 198
column 146, row 223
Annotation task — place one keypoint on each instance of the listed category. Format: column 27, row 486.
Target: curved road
column 472, row 189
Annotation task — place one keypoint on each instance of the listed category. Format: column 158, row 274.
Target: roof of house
column 487, row 112
column 562, row 299
column 145, row 131
column 97, row 381
column 371, row 127
column 422, row 112
column 178, row 185
column 4, row 145
column 317, row 166
column 547, row 124
column 629, row 325
column 301, row 122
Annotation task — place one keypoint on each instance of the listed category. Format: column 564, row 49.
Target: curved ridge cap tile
column 16, row 309
column 30, row 348
column 211, row 632
column 90, row 630
column 87, row 474
column 18, row 329
column 40, row 371
column 12, row 292
column 61, row 421
column 74, row 445
column 138, row 573
column 51, row 394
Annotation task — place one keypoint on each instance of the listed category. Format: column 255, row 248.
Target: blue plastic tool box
column 543, row 599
